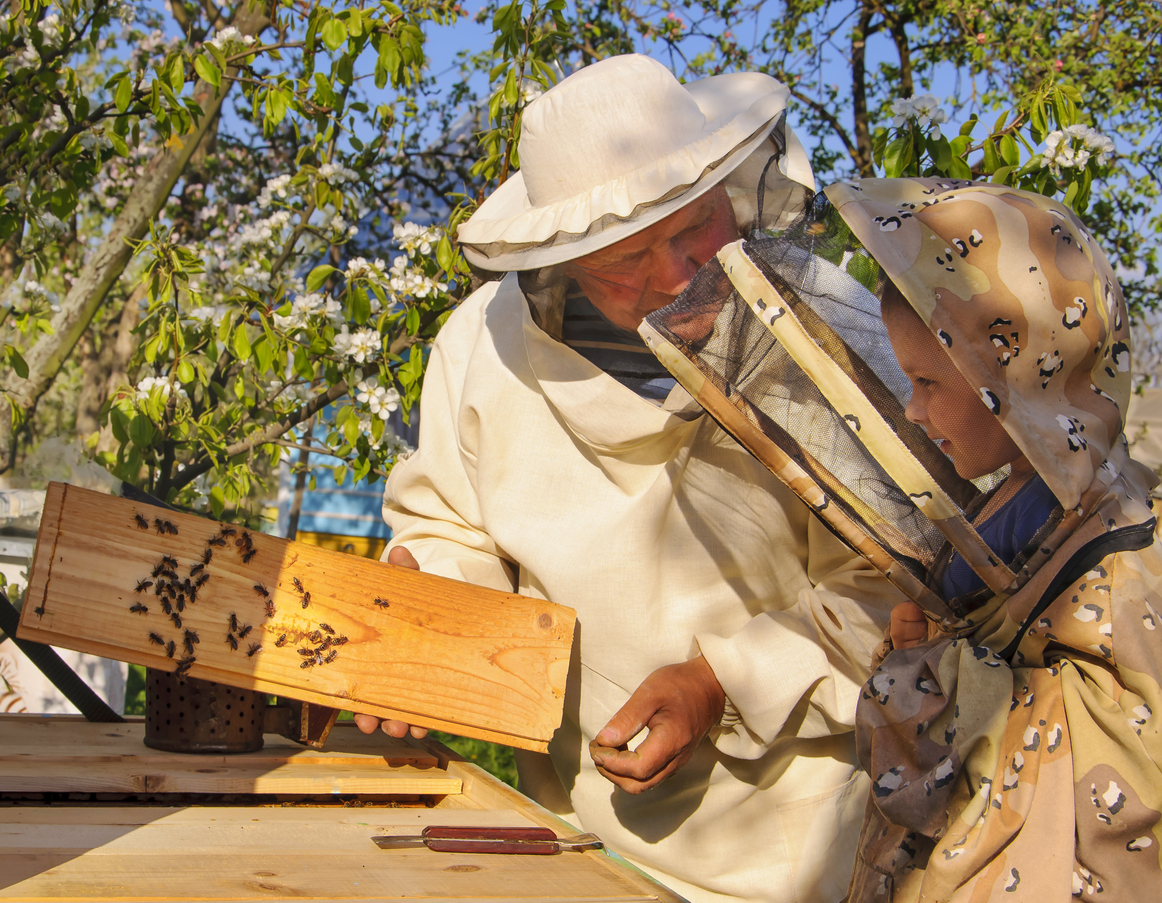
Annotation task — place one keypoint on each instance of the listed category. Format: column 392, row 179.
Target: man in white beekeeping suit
column 723, row 633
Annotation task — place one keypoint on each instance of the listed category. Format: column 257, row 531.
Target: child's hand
column 909, row 626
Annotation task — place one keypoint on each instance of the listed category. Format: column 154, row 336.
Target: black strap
column 1124, row 539
column 63, row 677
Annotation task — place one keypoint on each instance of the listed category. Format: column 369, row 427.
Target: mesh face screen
column 822, row 275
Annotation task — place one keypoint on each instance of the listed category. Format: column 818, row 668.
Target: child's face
column 943, row 402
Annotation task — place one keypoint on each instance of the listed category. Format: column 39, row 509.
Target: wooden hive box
column 178, row 591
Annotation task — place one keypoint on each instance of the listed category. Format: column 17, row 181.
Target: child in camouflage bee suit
column 1015, row 754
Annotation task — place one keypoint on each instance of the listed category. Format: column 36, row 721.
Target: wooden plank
column 207, row 853
column 440, row 653
column 72, row 741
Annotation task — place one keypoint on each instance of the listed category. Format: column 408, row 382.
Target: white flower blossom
column 412, row 282
column 274, row 188
column 161, row 383
column 337, row 174
column 229, row 35
column 925, row 109
column 11, row 192
column 380, row 400
column 359, row 345
column 413, row 237
column 1073, row 147
column 359, row 268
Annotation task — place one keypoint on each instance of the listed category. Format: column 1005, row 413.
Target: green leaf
column 275, row 106
column 175, row 73
column 991, row 160
column 303, row 367
column 141, row 431
column 241, row 344
column 333, row 33
column 208, row 71
column 445, row 257
column 124, row 94
column 17, row 362
column 263, row 354
column 1010, row 150
column 340, row 470
column 354, row 22
column 120, row 148
column 941, row 152
column 351, row 430
column 217, row 500
column 959, row 169
column 119, row 423
column 186, row 372
column 510, row 90
column 413, row 320
column 898, row 156
column 1071, row 193
column 1001, row 175
column 360, row 304
column 319, row 275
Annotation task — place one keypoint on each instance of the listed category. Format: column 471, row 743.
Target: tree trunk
column 48, row 354
column 104, row 370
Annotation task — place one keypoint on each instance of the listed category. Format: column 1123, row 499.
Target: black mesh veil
column 781, row 339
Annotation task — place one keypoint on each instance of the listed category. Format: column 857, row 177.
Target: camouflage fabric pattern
column 1033, row 776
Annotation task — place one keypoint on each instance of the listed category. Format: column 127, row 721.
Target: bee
column 246, row 558
column 339, row 640
column 156, row 639
column 167, row 606
column 166, row 572
column 201, row 580
column 171, row 528
column 323, row 645
column 170, row 562
column 302, row 650
column 156, row 572
column 233, row 622
column 196, row 568
column 232, row 641
column 142, row 523
column 183, row 667
column 246, row 540
column 281, row 641
column 270, row 609
column 298, row 583
column 309, row 663
column 137, row 607
column 306, row 599
column 177, row 620
column 191, row 639
column 381, row 602
column 314, row 636
column 39, row 610
column 207, row 556
column 330, row 656
column 160, row 525
column 170, row 648
column 327, row 628
column 262, row 590
column 228, row 531
column 244, row 632
column 143, row 585
column 216, row 541
column 180, row 602
column 253, row 650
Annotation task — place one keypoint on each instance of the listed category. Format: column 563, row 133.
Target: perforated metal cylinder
column 199, row 716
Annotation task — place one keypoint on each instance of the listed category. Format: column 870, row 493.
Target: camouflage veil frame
column 781, row 340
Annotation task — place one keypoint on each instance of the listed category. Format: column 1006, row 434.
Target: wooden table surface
column 76, row 823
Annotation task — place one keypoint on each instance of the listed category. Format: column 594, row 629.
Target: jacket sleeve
column 430, row 501
column 798, row 672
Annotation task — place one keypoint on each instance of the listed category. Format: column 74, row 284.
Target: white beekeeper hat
column 616, row 147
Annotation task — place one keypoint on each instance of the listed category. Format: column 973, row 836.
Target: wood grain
column 440, row 653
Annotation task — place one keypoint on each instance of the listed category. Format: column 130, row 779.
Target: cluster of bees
column 174, row 593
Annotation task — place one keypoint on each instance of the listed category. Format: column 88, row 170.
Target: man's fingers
column 909, row 626
column 366, row 723
column 401, row 557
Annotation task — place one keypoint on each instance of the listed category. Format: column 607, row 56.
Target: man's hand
column 909, row 626
column 400, row 557
column 679, row 704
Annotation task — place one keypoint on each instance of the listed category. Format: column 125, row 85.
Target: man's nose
column 673, row 268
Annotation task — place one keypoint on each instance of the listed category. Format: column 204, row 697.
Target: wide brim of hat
column 509, row 233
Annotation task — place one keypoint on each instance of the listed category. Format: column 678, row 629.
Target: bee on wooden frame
column 170, row 562
column 191, row 638
column 253, row 650
column 269, row 608
column 207, row 556
column 201, row 580
column 216, row 541
column 308, row 663
column 138, row 608
column 171, row 528
column 246, row 557
column 143, row 585
column 167, row 606
column 298, row 584
column 330, row 656
column 160, row 525
column 245, row 632
column 339, row 640
column 156, row 639
column 177, row 620
column 170, row 648
column 233, row 622
column 281, row 641
column 381, row 602
column 228, row 531
column 327, row 628
column 314, row 636
column 232, row 640
column 183, row 667
column 306, row 599
column 197, row 567
column 302, row 650
column 142, row 523
column 262, row 590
